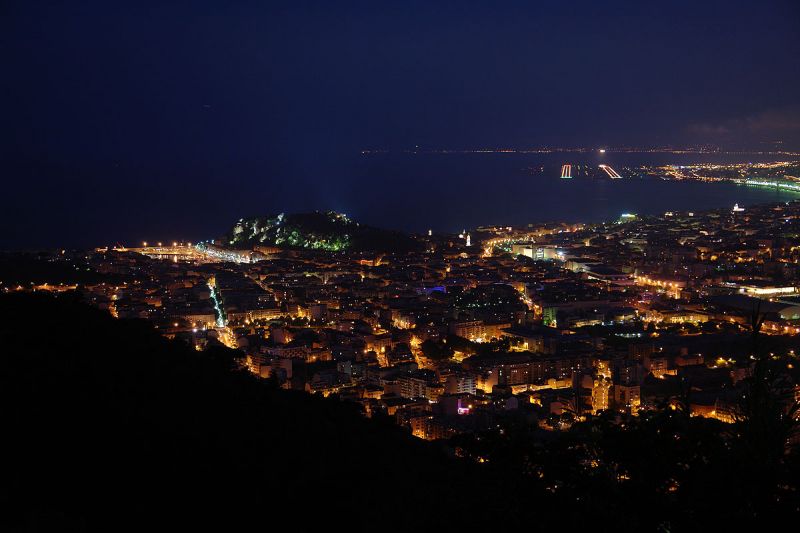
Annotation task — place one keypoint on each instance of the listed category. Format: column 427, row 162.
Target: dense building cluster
column 550, row 324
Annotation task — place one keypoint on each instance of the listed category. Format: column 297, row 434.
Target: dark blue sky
column 174, row 119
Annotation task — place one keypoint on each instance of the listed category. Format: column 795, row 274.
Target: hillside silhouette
column 110, row 426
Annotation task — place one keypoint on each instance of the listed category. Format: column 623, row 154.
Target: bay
column 453, row 191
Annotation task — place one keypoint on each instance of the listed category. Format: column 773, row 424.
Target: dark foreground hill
column 108, row 426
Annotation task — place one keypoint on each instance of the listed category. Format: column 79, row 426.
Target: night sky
column 123, row 123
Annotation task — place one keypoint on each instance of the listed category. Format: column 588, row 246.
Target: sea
column 453, row 191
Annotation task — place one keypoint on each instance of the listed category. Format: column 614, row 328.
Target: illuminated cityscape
column 527, row 311
column 418, row 267
column 553, row 326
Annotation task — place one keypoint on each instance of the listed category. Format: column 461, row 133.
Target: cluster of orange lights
column 175, row 244
column 649, row 281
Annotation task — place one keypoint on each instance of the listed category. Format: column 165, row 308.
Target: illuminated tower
column 469, row 243
column 601, row 386
column 566, row 172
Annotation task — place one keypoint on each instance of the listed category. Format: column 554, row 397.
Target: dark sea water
column 449, row 192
